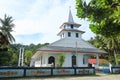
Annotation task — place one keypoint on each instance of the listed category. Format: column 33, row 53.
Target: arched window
column 51, row 60
column 73, row 61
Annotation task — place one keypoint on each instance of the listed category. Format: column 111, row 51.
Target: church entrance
column 51, row 60
column 73, row 61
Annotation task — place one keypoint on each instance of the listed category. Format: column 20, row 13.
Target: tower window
column 73, row 61
column 69, row 34
column 63, row 35
column 71, row 26
column 77, row 35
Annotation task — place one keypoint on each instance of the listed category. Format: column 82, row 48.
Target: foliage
column 118, row 58
column 4, row 58
column 104, row 16
column 7, row 27
column 107, row 44
column 104, row 62
column 9, row 52
column 10, row 57
column 3, row 40
column 61, row 59
column 28, row 55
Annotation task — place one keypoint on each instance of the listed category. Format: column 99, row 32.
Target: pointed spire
column 70, row 17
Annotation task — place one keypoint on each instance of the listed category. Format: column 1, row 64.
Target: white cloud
column 40, row 16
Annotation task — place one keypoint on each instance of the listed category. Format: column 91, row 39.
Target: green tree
column 28, row 55
column 7, row 27
column 113, row 46
column 104, row 16
column 110, row 45
column 61, row 59
column 118, row 58
column 5, row 57
column 98, row 42
column 3, row 40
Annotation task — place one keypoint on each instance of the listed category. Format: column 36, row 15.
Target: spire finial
column 70, row 17
column 69, row 7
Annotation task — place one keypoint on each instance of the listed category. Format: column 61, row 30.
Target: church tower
column 75, row 49
column 70, row 28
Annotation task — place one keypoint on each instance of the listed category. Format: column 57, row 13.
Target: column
column 97, row 61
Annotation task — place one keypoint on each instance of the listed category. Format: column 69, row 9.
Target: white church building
column 76, row 50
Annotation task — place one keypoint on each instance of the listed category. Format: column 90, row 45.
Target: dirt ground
column 98, row 76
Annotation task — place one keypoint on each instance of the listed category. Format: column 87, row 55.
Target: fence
column 115, row 70
column 9, row 72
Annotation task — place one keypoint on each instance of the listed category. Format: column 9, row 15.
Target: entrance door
column 73, row 61
column 51, row 60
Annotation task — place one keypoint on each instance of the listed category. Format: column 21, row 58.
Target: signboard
column 68, row 71
column 116, row 70
column 11, row 73
column 38, row 72
column 84, row 71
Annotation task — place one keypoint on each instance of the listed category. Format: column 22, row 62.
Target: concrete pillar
column 32, row 63
column 79, row 60
column 46, row 59
column 97, row 61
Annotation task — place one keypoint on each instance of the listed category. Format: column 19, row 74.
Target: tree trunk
column 116, row 62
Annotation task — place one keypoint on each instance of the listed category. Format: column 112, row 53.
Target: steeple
column 70, row 23
column 70, row 17
column 70, row 28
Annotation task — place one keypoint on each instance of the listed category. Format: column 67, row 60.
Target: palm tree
column 7, row 27
column 112, row 44
column 3, row 40
column 97, row 41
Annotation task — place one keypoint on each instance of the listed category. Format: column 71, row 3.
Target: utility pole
column 21, row 57
column 76, row 55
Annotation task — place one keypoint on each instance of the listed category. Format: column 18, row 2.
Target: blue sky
column 38, row 21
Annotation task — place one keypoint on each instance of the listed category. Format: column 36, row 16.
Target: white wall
column 67, row 62
column 73, row 34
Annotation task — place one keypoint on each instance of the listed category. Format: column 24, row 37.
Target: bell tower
column 69, row 29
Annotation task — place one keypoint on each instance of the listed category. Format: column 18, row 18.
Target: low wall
column 115, row 70
column 9, row 72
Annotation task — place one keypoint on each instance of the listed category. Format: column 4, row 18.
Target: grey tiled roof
column 71, row 23
column 74, row 30
column 71, row 49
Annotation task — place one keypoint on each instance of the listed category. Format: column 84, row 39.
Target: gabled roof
column 69, row 49
column 69, row 45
